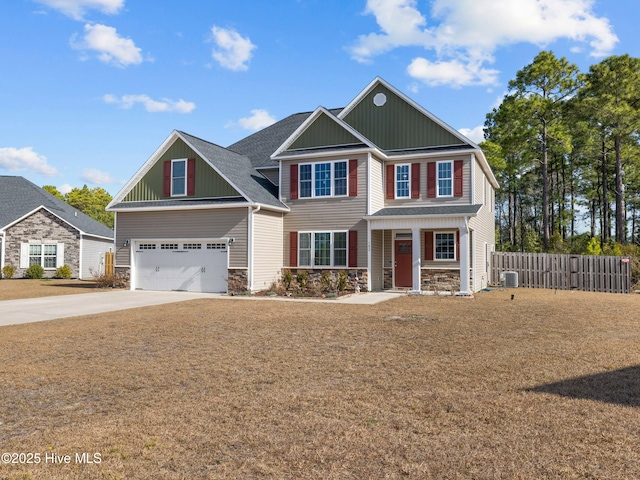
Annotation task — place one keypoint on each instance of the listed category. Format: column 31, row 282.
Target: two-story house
column 381, row 188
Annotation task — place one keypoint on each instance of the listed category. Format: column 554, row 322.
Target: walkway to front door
column 403, row 274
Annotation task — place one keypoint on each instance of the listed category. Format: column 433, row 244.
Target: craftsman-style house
column 381, row 189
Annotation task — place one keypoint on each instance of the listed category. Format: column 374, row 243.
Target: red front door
column 404, row 263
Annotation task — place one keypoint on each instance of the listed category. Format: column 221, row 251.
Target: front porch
column 421, row 249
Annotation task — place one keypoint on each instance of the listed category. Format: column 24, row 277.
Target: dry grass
column 544, row 386
column 19, row 288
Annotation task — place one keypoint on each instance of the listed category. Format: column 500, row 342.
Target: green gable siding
column 209, row 184
column 397, row 125
column 324, row 132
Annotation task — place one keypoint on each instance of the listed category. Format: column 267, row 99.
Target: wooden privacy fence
column 564, row 272
column 108, row 263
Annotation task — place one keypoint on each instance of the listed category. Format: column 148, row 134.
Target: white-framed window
column 322, row 249
column 45, row 255
column 445, row 179
column 403, row 178
column 445, row 246
column 179, row 177
column 326, row 179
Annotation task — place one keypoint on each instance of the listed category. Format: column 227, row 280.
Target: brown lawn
column 18, row 288
column 544, row 386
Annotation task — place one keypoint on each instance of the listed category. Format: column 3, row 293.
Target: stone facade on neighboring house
column 43, row 228
column 39, row 228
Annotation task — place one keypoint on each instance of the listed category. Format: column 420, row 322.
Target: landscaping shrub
column 303, row 280
column 8, row 271
column 64, row 272
column 343, row 279
column 287, row 278
column 104, row 280
column 35, row 271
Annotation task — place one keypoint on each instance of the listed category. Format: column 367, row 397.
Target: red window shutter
column 353, row 248
column 293, row 249
column 415, row 180
column 428, row 245
column 391, row 182
column 293, row 179
column 191, row 176
column 431, row 180
column 353, row 178
column 457, row 178
column 457, row 244
column 167, row 178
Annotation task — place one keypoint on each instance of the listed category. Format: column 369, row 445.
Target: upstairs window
column 327, row 179
column 402, row 181
column 445, row 179
column 178, row 178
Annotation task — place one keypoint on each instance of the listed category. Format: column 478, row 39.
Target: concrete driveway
column 13, row 312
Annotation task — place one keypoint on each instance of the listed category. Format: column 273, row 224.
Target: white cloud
column 464, row 34
column 112, row 49
column 98, row 177
column 150, row 105
column 454, row 73
column 25, row 159
column 232, row 51
column 65, row 188
column 77, row 8
column 259, row 119
column 476, row 134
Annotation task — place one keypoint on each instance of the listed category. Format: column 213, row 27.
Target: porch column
column 465, row 284
column 415, row 237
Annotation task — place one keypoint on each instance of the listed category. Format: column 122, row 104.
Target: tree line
column 90, row 201
column 565, row 148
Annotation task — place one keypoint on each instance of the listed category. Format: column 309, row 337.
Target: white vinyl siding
column 267, row 248
column 93, row 255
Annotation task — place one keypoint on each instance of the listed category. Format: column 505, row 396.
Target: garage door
column 185, row 265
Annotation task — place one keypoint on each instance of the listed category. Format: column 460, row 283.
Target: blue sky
column 90, row 88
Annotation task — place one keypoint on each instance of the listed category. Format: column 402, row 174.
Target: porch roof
column 439, row 210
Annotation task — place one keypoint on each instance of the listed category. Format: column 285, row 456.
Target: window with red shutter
column 167, row 178
column 191, row 176
column 293, row 180
column 458, row 183
column 293, row 249
column 353, row 248
column 390, row 182
column 353, row 178
column 431, row 180
column 415, row 180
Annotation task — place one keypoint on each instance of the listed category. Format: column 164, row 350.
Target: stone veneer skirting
column 440, row 280
column 430, row 280
column 237, row 280
column 316, row 274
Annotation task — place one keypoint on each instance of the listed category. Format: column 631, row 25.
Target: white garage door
column 187, row 265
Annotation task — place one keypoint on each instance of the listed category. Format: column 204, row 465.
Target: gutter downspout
column 2, row 242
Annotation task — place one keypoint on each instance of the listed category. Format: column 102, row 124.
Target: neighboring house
column 37, row 227
column 381, row 189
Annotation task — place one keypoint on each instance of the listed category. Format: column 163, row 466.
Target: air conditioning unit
column 510, row 279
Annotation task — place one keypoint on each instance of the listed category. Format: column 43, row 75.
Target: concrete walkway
column 13, row 312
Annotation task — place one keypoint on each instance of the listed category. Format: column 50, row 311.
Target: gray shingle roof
column 453, row 210
column 239, row 170
column 18, row 196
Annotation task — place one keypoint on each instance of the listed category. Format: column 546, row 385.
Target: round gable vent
column 379, row 99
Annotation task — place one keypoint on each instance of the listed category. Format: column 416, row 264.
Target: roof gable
column 392, row 121
column 224, row 174
column 323, row 130
column 19, row 197
column 209, row 183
